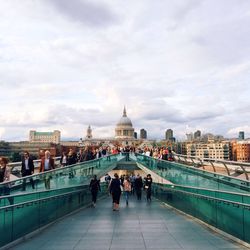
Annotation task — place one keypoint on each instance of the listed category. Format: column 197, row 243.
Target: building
column 214, row 150
column 143, row 134
column 135, row 135
column 70, row 143
column 190, row 136
column 124, row 136
column 89, row 133
column 124, row 128
column 45, row 137
column 169, row 134
column 241, row 135
column 241, row 151
column 197, row 134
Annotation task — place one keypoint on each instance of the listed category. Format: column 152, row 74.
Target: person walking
column 127, row 188
column 47, row 163
column 27, row 169
column 138, row 187
column 148, row 187
column 94, row 187
column 115, row 191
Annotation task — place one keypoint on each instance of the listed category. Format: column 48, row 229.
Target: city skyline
column 182, row 65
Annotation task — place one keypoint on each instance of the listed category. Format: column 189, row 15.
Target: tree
column 15, row 157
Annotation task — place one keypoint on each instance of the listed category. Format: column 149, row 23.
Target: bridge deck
column 138, row 226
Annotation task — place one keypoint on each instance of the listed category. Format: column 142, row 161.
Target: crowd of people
column 95, row 152
column 129, row 185
column 84, row 154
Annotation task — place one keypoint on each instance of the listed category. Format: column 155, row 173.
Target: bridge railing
column 60, row 177
column 222, row 212
column 231, row 167
column 43, row 208
column 188, row 175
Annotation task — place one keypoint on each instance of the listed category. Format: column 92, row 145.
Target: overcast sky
column 182, row 64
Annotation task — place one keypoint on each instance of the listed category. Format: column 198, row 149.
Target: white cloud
column 2, row 130
column 172, row 63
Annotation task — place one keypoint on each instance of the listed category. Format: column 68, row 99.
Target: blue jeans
column 127, row 195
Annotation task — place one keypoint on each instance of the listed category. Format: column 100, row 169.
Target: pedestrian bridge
column 221, row 202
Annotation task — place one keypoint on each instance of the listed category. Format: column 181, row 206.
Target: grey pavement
column 138, row 226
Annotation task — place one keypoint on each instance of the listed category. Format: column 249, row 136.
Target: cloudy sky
column 182, row 64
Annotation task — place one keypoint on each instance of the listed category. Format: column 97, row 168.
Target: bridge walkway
column 138, row 226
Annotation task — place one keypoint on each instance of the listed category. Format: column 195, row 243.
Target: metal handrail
column 203, row 170
column 225, row 163
column 207, row 197
column 13, row 165
column 84, row 188
column 214, row 160
column 205, row 189
column 55, row 170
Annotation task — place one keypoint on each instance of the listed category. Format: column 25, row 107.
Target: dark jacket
column 138, row 183
column 115, row 186
column 148, row 183
column 72, row 159
column 94, row 185
column 30, row 165
column 61, row 159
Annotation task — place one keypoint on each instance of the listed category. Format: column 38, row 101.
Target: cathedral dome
column 124, row 127
column 124, row 121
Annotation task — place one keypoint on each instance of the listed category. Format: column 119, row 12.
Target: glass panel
column 41, row 209
column 189, row 176
column 230, row 218
column 6, row 216
column 62, row 177
column 233, row 218
column 246, row 224
column 25, row 219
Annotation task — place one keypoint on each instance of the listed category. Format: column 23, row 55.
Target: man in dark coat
column 27, row 169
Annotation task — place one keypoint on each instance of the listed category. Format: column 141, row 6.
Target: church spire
column 124, row 112
column 89, row 133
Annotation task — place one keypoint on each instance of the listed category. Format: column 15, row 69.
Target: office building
column 45, row 137
column 241, row 135
column 143, row 134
